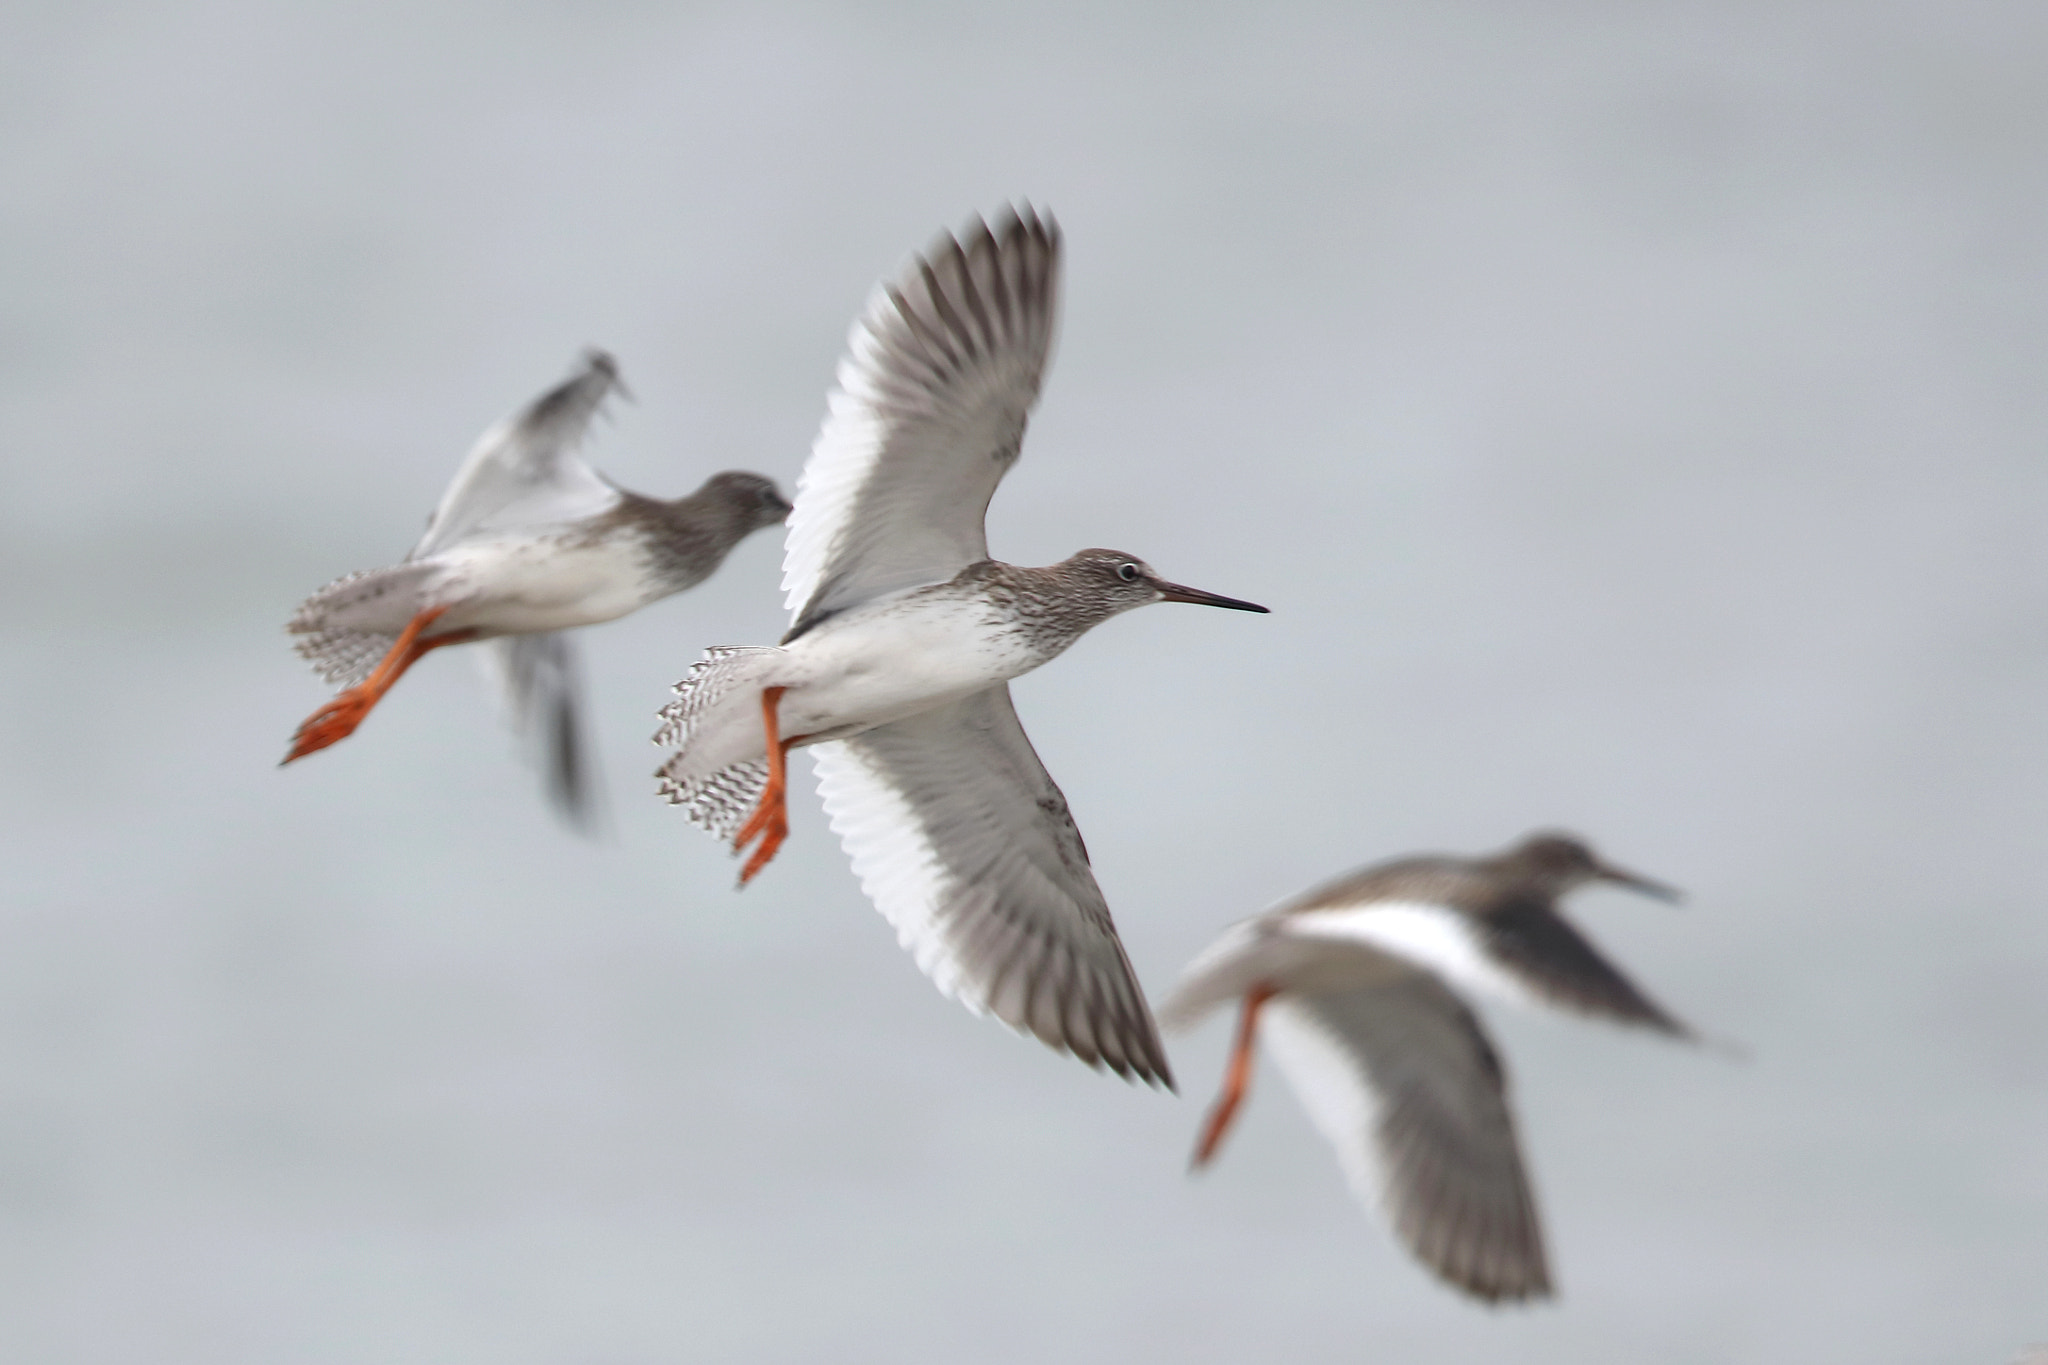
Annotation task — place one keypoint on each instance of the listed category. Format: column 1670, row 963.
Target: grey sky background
column 1632, row 412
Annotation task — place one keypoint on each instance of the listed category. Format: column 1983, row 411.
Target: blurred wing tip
column 602, row 364
column 1726, row 1048
column 599, row 363
column 580, row 817
column 1510, row 1296
column 1021, row 216
column 1015, row 220
column 1160, row 1078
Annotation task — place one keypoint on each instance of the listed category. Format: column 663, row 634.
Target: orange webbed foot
column 338, row 719
column 1237, row 1078
column 770, row 820
column 331, row 724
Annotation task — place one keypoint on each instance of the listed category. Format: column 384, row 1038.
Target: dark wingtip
column 1153, row 1072
column 1656, row 1019
column 1150, row 1069
column 1156, row 1071
column 1528, row 1296
column 1730, row 1049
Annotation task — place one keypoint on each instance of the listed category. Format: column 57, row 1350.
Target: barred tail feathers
column 720, row 799
column 350, row 624
column 718, row 804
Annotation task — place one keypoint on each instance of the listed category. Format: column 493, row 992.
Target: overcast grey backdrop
column 1633, row 413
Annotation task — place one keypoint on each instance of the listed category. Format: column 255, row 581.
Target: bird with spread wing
column 528, row 542
column 903, row 638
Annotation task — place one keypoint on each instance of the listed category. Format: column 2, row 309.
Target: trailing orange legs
column 1236, row 1078
column 770, row 820
column 338, row 719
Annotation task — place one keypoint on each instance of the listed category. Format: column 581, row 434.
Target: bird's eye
column 1127, row 572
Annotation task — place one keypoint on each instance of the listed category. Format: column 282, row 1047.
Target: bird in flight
column 904, row 636
column 528, row 542
column 1351, row 985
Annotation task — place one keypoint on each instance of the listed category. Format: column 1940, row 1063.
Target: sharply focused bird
column 1350, row 985
column 903, row 639
column 528, row 542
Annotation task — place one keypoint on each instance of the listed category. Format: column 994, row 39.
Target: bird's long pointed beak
column 1174, row 592
column 1635, row 881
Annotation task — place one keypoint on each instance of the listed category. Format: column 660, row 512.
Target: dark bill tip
column 1656, row 890
column 1174, row 592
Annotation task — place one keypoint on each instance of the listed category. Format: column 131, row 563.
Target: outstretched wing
column 1400, row 1079
column 1526, row 955
column 1562, row 966
column 962, row 840
column 542, row 689
column 525, row 470
column 929, row 413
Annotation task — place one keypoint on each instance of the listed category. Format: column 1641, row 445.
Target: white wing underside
column 1400, row 1080
column 964, row 843
column 929, row 413
column 525, row 470
column 1396, row 1073
column 1433, row 938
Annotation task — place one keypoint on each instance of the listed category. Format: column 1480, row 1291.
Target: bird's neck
column 1042, row 603
column 684, row 540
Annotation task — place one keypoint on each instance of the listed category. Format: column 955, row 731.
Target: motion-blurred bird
column 528, row 542
column 1350, row 986
column 904, row 636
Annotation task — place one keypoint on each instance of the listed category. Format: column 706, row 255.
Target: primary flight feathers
column 941, row 371
column 903, row 637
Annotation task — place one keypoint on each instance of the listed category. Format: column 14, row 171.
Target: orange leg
column 770, row 820
column 1236, row 1078
column 338, row 719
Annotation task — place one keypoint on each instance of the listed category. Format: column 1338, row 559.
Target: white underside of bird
column 1432, row 937
column 874, row 664
column 903, row 637
column 528, row 542
column 517, row 583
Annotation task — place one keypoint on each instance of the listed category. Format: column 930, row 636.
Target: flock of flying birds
column 904, row 635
